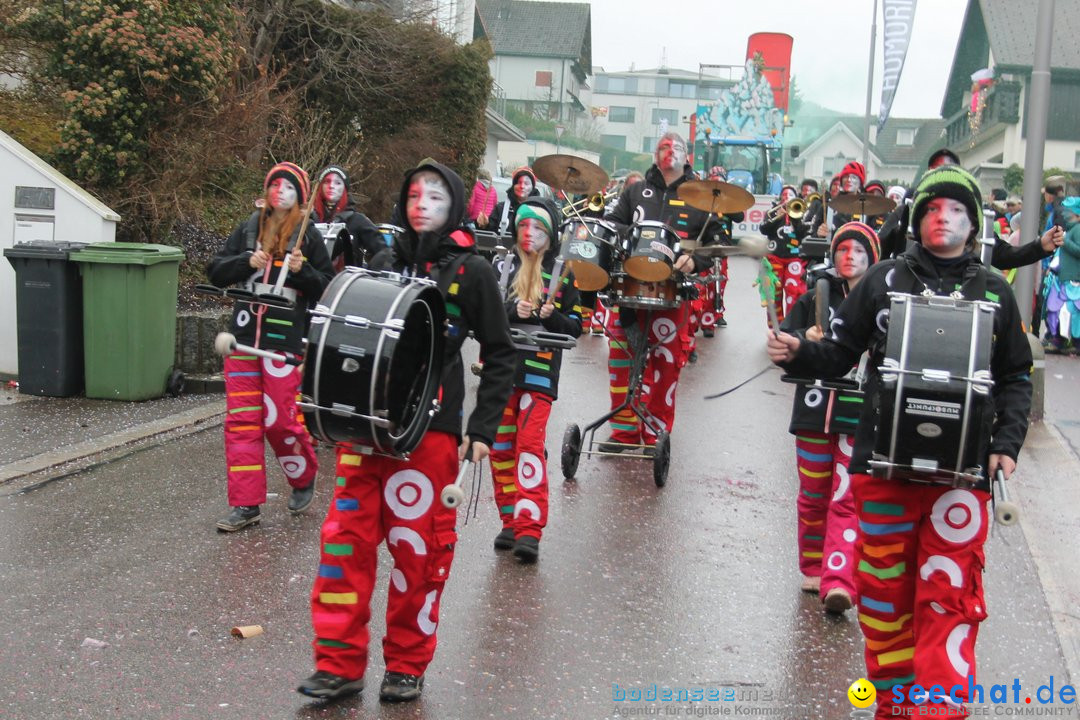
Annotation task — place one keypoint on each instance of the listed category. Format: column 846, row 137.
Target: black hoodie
column 473, row 304
column 861, row 324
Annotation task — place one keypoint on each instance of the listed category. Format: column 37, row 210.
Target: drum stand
column 572, row 446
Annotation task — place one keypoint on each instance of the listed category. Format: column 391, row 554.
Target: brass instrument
column 595, row 203
column 795, row 208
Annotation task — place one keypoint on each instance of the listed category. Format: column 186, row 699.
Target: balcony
column 1002, row 108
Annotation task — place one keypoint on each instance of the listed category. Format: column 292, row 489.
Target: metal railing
column 1002, row 106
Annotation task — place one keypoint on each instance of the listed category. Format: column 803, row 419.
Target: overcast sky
column 829, row 57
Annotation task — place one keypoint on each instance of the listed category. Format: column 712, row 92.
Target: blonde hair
column 529, row 281
column 275, row 230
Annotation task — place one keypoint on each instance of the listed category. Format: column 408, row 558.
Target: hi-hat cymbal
column 715, row 196
column 570, row 173
column 861, row 204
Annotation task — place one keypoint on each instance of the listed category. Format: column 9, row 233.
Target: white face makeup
column 281, row 194
column 670, row 155
column 787, row 194
column 333, row 187
column 851, row 183
column 851, row 260
column 532, row 236
column 427, row 203
column 945, row 228
column 523, row 186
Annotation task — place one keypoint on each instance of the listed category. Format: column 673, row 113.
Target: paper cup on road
column 247, row 631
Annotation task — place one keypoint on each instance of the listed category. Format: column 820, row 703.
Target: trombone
column 795, row 208
column 595, row 203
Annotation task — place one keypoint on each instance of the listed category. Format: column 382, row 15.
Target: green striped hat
column 948, row 181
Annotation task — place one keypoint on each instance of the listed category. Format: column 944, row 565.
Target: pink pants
column 261, row 401
column 518, row 466
column 920, row 562
column 791, row 273
column 827, row 525
column 380, row 498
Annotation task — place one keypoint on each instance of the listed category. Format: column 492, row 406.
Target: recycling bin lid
column 44, row 249
column 123, row 253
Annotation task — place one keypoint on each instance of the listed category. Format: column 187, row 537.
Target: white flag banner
column 899, row 18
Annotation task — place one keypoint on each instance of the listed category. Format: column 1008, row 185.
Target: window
column 648, row 145
column 1076, row 159
column 833, row 165
column 682, row 89
column 613, row 141
column 620, row 114
column 672, row 116
column 905, row 137
column 616, row 85
column 543, row 78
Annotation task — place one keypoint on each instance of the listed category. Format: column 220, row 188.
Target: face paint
column 786, row 194
column 807, row 191
column 670, row 154
column 850, row 259
column 834, row 187
column 281, row 194
column 523, row 186
column 333, row 187
column 945, row 228
column 532, row 236
column 851, row 183
column 427, row 203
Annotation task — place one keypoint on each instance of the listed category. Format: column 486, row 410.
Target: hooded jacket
column 861, row 323
column 282, row 329
column 495, row 218
column 365, row 240
column 473, row 304
column 538, row 370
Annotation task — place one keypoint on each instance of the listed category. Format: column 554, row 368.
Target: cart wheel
column 571, row 451
column 175, row 384
column 661, row 459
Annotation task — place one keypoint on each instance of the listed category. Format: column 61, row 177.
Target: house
column 39, row 203
column 826, row 143
column 1000, row 35
column 543, row 55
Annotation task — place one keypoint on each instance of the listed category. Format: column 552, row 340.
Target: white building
column 39, row 204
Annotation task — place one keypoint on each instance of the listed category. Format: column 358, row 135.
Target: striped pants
column 791, row 272
column 261, row 401
column 826, row 509
column 919, row 578
column 381, row 498
column 518, row 465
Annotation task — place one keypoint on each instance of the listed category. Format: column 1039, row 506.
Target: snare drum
column 590, row 247
column 935, row 409
column 633, row 293
column 374, row 361
column 653, row 248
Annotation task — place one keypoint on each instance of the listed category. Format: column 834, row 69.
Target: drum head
column 414, row 371
column 646, row 269
column 588, row 276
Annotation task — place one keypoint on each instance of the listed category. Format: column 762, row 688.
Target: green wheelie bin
column 129, row 319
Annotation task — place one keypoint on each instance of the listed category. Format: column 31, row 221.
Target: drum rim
column 350, row 278
column 412, row 434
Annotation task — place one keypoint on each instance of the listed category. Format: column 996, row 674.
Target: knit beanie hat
column 942, row 154
column 294, row 174
column 874, row 184
column 947, row 181
column 523, row 170
column 855, row 168
column 337, row 170
column 861, row 233
column 536, row 212
column 321, row 210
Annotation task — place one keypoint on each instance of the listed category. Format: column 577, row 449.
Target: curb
column 1049, row 499
column 197, row 419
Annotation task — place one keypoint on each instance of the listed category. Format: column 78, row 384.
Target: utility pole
column 869, row 93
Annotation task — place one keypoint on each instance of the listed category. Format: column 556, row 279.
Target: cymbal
column 715, row 196
column 861, row 204
column 570, row 173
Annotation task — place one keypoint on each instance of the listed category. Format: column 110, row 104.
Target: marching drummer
column 334, row 204
column 397, row 500
column 518, row 457
column 656, row 198
column 823, row 428
column 261, row 393
column 920, row 546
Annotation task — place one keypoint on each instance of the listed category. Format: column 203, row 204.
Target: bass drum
column 374, row 361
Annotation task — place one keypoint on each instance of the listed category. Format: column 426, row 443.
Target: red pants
column 518, row 465
column 827, row 525
column 920, row 561
column 261, row 401
column 711, row 309
column 660, row 378
column 599, row 317
column 380, row 498
column 790, row 273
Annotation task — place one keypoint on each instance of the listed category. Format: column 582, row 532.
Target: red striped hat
column 294, row 174
column 861, row 233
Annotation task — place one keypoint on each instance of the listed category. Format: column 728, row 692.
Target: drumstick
column 1005, row 512
column 556, row 278
column 225, row 344
column 452, row 495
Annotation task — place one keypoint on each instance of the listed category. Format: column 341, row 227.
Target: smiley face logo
column 861, row 693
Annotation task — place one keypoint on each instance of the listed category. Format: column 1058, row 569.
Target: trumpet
column 794, row 208
column 595, row 203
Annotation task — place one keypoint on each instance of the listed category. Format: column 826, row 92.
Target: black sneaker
column 328, row 686
column 505, row 539
column 693, row 357
column 527, row 549
column 240, row 517
column 721, row 322
column 709, row 332
column 611, row 445
column 301, row 498
column 401, row 687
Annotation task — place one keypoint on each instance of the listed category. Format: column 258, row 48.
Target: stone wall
column 195, row 333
